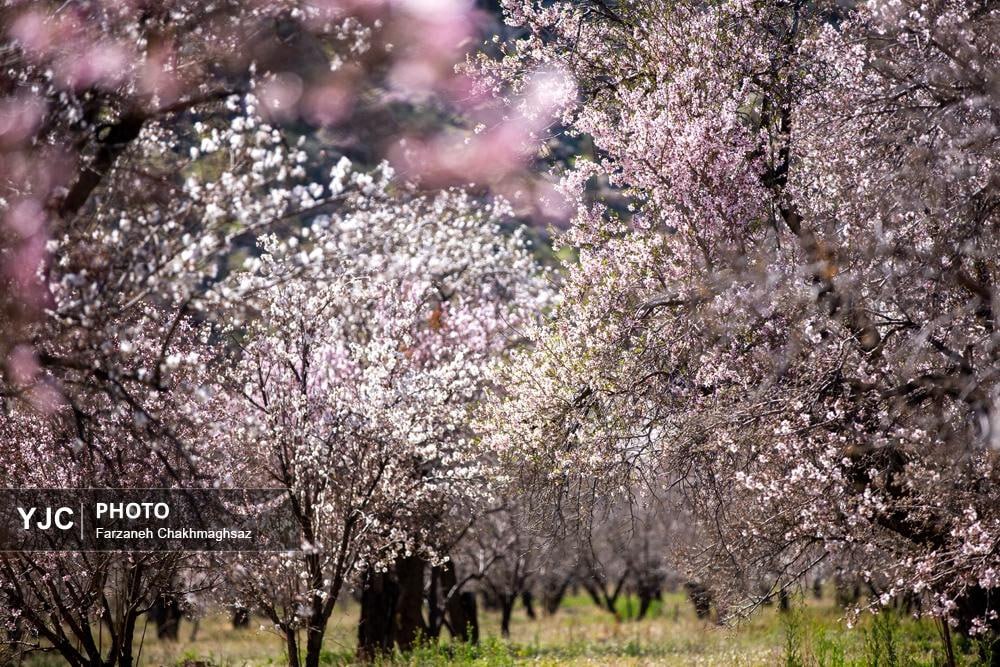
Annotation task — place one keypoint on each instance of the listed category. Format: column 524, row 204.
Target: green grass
column 813, row 634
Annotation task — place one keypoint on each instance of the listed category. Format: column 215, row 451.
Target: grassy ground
column 582, row 634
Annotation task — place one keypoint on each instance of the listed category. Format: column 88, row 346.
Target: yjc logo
column 52, row 517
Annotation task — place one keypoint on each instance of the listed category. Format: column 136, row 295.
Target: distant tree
column 503, row 552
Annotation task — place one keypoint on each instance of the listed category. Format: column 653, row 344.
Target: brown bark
column 376, row 627
column 410, row 624
column 458, row 619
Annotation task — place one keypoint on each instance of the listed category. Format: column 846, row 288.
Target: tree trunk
column 292, row 646
column 314, row 642
column 701, row 597
column 527, row 599
column 126, row 658
column 592, row 592
column 507, row 606
column 435, row 615
column 241, row 618
column 553, row 596
column 410, row 624
column 458, row 619
column 645, row 600
column 847, row 592
column 376, row 626
column 468, row 602
column 166, row 614
column 490, row 599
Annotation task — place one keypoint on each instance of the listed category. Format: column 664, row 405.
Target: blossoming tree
column 106, row 387
column 142, row 151
column 795, row 314
column 370, row 335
